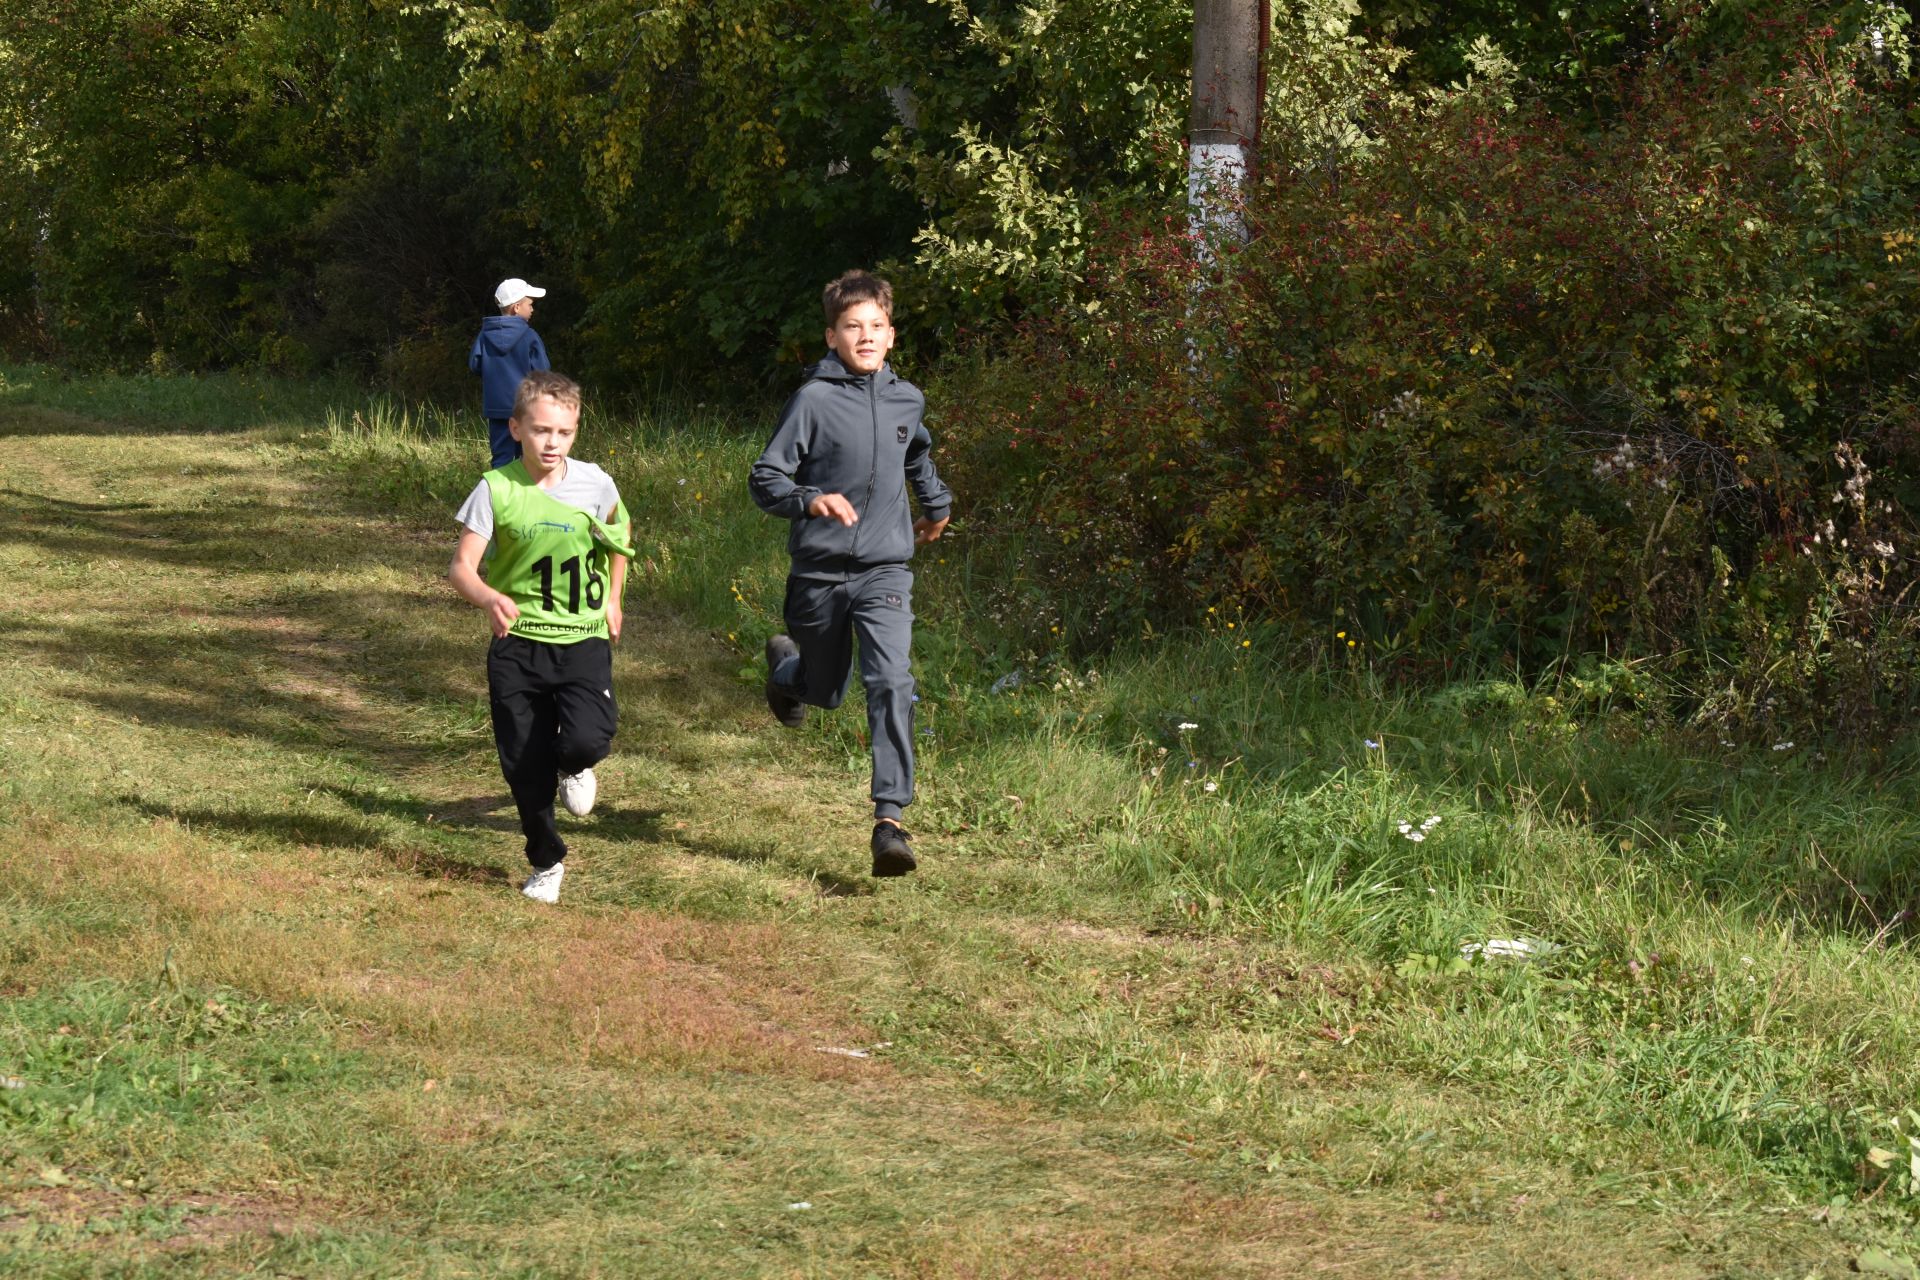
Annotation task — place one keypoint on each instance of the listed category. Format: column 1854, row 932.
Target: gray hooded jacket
column 860, row 437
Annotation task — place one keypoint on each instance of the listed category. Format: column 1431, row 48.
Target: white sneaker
column 544, row 885
column 577, row 791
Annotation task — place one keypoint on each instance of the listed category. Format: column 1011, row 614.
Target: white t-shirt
column 582, row 485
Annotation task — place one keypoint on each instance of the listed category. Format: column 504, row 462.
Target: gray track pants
column 823, row 618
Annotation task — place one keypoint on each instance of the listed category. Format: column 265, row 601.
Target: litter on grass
column 839, row 1052
column 1512, row 948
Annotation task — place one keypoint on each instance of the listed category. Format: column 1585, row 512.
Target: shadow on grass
column 641, row 826
column 764, row 853
column 491, row 812
column 494, row 812
column 243, row 528
column 18, row 498
column 434, row 865
column 298, row 829
column 28, row 417
column 323, row 831
column 311, row 673
column 830, row 884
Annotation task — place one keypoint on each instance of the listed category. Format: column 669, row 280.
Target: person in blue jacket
column 506, row 351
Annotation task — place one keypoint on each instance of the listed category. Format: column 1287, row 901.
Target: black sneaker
column 892, row 855
column 786, row 708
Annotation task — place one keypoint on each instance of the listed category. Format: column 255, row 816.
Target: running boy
column 506, row 350
column 849, row 445
column 560, row 539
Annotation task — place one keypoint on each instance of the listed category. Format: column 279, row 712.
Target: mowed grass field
column 1173, row 995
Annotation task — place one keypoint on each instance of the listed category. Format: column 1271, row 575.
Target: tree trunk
column 1223, row 130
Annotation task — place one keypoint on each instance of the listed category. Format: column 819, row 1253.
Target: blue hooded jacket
column 506, row 351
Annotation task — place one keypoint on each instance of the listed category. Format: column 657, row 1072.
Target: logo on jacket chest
column 901, row 432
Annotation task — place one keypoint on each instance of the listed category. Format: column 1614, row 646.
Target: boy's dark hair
column 545, row 382
column 853, row 288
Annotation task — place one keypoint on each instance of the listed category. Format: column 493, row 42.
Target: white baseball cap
column 514, row 289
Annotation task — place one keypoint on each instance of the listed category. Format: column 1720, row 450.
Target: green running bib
column 554, row 561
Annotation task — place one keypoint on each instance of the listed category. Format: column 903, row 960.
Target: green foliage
column 799, row 143
column 1497, row 382
column 295, row 192
column 1324, row 78
column 1037, row 114
column 207, row 185
column 282, row 182
column 1587, row 337
column 128, row 114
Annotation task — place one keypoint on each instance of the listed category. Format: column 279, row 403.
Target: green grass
column 178, row 402
column 1164, row 1000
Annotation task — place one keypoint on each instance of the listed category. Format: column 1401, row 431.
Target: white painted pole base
column 1216, row 174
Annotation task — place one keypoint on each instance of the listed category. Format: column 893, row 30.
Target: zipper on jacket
column 873, row 464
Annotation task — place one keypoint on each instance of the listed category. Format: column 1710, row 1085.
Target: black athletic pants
column 553, row 713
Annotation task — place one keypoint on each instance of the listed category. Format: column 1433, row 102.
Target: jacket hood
column 501, row 334
column 828, row 368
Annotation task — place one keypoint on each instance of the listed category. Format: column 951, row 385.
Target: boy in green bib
column 561, row 540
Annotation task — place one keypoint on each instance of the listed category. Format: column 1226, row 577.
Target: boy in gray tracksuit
column 849, row 445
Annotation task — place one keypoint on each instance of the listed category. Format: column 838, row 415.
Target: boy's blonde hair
column 557, row 387
column 853, row 288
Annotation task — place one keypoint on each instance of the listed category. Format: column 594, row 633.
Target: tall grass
column 179, row 402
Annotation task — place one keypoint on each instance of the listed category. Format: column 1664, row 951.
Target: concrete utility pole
column 1223, row 131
